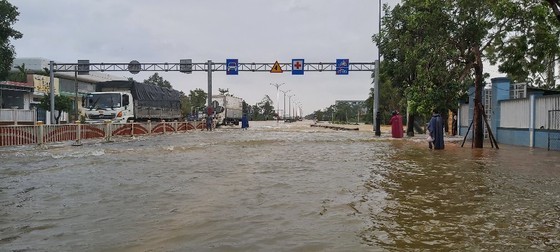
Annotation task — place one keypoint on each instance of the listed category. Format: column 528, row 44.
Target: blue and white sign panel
column 342, row 66
column 232, row 67
column 297, row 66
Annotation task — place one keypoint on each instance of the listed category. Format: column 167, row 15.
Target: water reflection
column 464, row 199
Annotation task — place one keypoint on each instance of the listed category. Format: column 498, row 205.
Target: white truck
column 228, row 109
column 123, row 101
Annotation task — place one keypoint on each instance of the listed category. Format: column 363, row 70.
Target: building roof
column 544, row 91
column 18, row 86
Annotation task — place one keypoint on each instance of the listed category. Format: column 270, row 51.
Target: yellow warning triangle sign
column 276, row 68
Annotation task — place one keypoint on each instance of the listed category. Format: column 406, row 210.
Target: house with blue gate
column 517, row 114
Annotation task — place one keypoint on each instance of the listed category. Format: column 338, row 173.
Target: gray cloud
column 249, row 30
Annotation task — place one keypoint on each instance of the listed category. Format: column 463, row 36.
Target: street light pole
column 277, row 86
column 284, row 112
column 290, row 105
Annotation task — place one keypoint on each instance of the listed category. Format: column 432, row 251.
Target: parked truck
column 228, row 109
column 123, row 101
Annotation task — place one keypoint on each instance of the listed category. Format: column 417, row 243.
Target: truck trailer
column 228, row 109
column 123, row 101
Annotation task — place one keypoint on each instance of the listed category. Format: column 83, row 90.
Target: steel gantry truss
column 203, row 67
column 187, row 66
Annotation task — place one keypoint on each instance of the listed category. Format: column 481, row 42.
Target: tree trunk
column 57, row 118
column 555, row 5
column 410, row 125
column 478, row 128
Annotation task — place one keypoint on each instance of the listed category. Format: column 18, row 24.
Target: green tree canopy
column 434, row 48
column 8, row 17
column 20, row 75
column 155, row 79
column 198, row 98
column 61, row 104
column 528, row 52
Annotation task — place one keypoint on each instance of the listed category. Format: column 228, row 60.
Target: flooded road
column 277, row 187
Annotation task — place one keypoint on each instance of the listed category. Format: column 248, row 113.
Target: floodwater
column 277, row 187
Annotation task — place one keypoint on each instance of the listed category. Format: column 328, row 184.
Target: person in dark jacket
column 435, row 129
column 244, row 122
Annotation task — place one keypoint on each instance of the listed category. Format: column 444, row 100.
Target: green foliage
column 61, row 104
column 530, row 49
column 263, row 110
column 186, row 107
column 8, row 17
column 157, row 80
column 198, row 99
column 421, row 62
column 20, row 75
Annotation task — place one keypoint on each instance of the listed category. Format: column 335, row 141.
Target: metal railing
column 42, row 134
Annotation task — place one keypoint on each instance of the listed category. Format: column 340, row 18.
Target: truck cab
column 101, row 106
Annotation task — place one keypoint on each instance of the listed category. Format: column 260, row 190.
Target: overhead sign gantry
column 231, row 67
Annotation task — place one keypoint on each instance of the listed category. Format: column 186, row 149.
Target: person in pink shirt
column 396, row 125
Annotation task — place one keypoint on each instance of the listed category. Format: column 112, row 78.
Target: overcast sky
column 249, row 30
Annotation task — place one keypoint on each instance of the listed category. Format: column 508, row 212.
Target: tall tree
column 531, row 48
column 417, row 61
column 155, row 79
column 8, row 17
column 20, row 75
column 450, row 50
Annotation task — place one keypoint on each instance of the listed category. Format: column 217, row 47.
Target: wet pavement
column 278, row 187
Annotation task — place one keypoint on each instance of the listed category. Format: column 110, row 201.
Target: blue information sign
column 297, row 66
column 232, row 67
column 342, row 66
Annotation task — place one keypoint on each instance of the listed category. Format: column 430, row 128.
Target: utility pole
column 277, row 85
column 284, row 111
column 376, row 113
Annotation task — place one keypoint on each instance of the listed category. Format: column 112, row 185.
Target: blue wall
column 500, row 91
column 513, row 136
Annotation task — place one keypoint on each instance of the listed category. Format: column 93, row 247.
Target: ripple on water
column 277, row 187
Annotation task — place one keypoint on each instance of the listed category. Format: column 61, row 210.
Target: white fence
column 515, row 113
column 542, row 107
column 18, row 115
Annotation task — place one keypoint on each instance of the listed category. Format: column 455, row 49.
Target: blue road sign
column 232, row 67
column 297, row 66
column 342, row 66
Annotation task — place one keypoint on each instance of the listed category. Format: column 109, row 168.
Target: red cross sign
column 297, row 66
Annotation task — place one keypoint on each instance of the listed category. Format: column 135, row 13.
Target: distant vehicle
column 122, row 101
column 228, row 109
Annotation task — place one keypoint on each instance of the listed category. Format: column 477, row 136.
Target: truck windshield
column 103, row 101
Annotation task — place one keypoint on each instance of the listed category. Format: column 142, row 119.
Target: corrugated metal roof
column 17, row 84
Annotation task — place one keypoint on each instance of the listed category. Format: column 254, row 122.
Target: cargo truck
column 123, row 101
column 228, row 109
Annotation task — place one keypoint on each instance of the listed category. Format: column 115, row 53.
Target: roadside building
column 27, row 96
